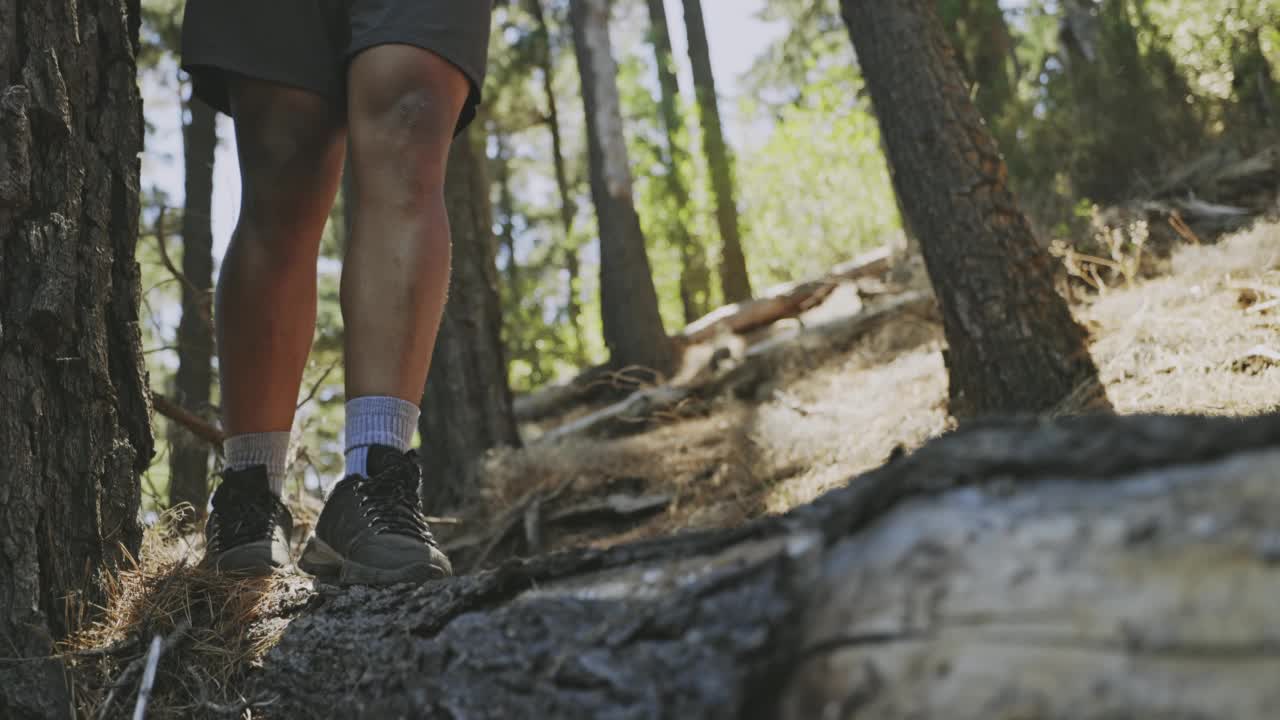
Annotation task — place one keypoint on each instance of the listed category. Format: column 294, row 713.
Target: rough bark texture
column 629, row 304
column 695, row 291
column 466, row 409
column 188, row 454
column 734, row 281
column 73, row 408
column 1013, row 344
column 1085, row 568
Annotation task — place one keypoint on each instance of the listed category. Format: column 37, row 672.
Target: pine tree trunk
column 694, row 291
column 1014, row 346
column 568, row 208
column 734, row 282
column 74, row 431
column 466, row 409
column 189, row 455
column 629, row 304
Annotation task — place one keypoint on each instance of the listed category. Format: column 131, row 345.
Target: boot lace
column 242, row 518
column 389, row 500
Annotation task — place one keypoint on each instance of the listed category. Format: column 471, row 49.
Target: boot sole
column 250, row 560
column 329, row 565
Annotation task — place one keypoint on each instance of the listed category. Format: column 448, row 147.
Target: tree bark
column 695, row 294
column 1013, row 344
column 74, row 431
column 466, row 408
column 734, row 281
column 633, row 328
column 189, row 455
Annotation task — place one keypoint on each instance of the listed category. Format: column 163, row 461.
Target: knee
column 413, row 125
column 404, row 108
column 290, row 148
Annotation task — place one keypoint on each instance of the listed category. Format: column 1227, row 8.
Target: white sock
column 377, row 420
column 270, row 449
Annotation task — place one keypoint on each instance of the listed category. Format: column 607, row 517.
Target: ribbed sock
column 377, row 420
column 270, row 449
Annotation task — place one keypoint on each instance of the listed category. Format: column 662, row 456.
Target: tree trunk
column 734, row 282
column 1022, row 569
column 74, row 431
column 695, row 295
column 189, row 455
column 633, row 328
column 568, row 208
column 507, row 212
column 466, row 409
column 1014, row 346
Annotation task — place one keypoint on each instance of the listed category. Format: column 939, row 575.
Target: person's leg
column 290, row 145
column 403, row 107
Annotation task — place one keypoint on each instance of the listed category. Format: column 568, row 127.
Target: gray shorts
column 308, row 43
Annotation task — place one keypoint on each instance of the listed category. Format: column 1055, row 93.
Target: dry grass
column 215, row 628
column 1178, row 343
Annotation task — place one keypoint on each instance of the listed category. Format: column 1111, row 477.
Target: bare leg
column 404, row 104
column 291, row 148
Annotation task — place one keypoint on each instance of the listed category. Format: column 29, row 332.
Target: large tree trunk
column 1013, row 344
column 628, row 302
column 74, row 431
column 189, row 455
column 466, row 409
column 734, row 281
column 695, row 295
column 1022, row 569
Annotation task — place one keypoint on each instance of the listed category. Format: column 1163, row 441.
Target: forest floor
column 1199, row 335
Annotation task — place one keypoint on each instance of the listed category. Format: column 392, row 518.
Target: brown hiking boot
column 249, row 528
column 372, row 530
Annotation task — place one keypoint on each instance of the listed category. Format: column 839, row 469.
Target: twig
column 126, row 678
column 148, row 678
column 316, row 386
column 198, row 426
column 202, row 296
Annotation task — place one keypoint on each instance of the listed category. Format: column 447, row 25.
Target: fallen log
column 1086, row 567
column 779, row 303
column 636, row 412
column 784, row 301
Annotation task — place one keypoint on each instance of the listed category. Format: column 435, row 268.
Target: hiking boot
column 249, row 528
column 372, row 530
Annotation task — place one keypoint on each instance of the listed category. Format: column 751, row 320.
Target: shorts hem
column 211, row 81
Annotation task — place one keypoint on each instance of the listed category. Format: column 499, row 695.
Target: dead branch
column 198, row 426
column 776, row 304
column 315, row 387
column 638, row 411
column 784, row 301
column 203, row 297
